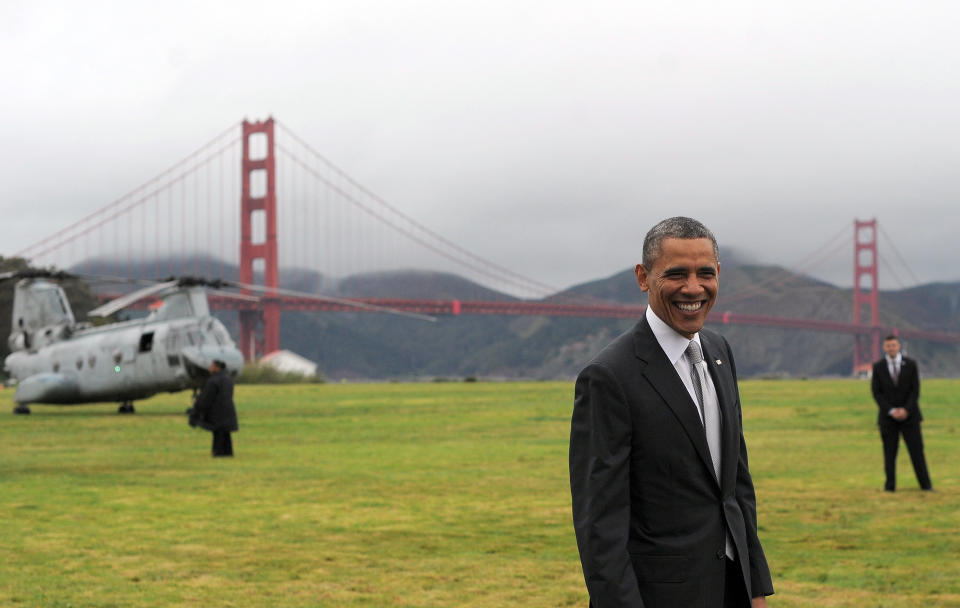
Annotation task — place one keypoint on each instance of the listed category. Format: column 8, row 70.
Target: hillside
column 381, row 346
column 384, row 346
column 772, row 291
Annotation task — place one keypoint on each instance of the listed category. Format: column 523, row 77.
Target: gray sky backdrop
column 545, row 136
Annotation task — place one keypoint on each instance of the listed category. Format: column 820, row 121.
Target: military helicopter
column 56, row 360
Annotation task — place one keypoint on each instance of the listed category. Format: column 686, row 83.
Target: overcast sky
column 545, row 136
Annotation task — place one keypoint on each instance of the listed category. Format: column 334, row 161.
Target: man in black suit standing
column 214, row 409
column 663, row 501
column 896, row 389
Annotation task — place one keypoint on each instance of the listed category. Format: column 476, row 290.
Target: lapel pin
column 719, row 362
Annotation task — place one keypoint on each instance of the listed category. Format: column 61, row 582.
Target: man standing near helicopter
column 214, row 409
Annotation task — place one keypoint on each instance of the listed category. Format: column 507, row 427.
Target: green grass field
column 448, row 494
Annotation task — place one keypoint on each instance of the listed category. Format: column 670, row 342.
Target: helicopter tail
column 41, row 315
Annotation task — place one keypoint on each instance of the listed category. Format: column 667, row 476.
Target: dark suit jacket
column 905, row 393
column 214, row 409
column 649, row 514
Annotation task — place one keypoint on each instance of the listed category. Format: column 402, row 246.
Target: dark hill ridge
column 201, row 266
column 379, row 346
column 416, row 285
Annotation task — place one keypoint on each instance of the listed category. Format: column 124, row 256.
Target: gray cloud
column 545, row 136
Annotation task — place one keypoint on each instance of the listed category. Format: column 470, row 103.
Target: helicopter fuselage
column 122, row 362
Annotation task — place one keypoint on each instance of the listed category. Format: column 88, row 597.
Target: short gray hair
column 674, row 228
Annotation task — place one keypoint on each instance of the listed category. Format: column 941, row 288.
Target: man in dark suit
column 896, row 389
column 663, row 502
column 214, row 409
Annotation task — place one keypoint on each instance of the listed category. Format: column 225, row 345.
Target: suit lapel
column 662, row 376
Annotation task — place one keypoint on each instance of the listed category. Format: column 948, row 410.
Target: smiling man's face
column 682, row 285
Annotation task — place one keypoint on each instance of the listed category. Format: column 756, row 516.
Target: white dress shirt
column 675, row 347
column 894, row 367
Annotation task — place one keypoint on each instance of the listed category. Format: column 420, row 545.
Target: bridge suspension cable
column 812, row 260
column 893, row 247
column 411, row 228
column 192, row 209
column 87, row 223
column 77, row 230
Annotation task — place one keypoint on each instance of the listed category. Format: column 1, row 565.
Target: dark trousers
column 890, row 433
column 734, row 591
column 222, row 444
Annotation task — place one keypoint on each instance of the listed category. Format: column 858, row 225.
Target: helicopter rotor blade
column 123, row 301
column 217, row 286
column 106, row 278
column 337, row 300
column 234, row 295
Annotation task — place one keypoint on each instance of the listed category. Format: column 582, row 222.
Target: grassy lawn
column 440, row 494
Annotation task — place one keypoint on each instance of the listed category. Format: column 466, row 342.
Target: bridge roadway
column 540, row 308
column 551, row 309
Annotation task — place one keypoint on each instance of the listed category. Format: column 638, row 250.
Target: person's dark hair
column 891, row 337
column 220, row 364
column 674, row 228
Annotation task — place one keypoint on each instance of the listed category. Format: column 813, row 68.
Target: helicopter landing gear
column 126, row 408
column 22, row 409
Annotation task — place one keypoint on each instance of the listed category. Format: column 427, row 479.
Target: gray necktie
column 694, row 356
column 711, row 417
column 709, row 408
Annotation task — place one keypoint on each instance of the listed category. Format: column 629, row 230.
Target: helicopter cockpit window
column 220, row 334
column 48, row 306
column 146, row 342
column 210, row 332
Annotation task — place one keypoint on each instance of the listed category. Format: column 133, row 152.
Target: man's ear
column 641, row 272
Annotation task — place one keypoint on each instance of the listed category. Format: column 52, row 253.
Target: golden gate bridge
column 332, row 226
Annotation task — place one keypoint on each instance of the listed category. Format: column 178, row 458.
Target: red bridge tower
column 259, row 329
column 866, row 346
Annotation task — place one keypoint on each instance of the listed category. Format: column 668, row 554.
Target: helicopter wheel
column 21, row 409
column 126, row 408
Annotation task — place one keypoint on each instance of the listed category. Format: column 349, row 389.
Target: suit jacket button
column 721, row 554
